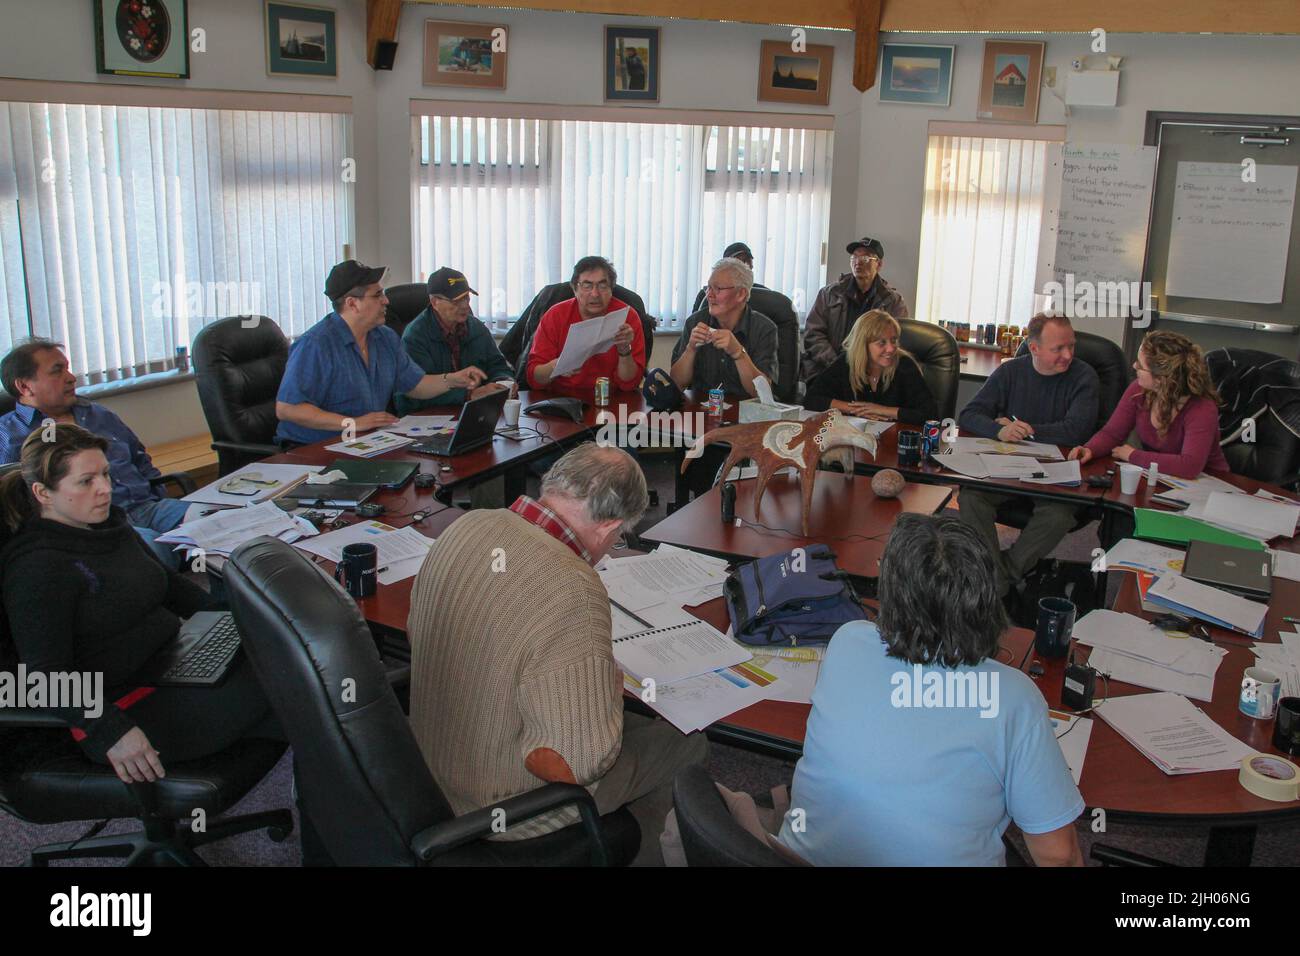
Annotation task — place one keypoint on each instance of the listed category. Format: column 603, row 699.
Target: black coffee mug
column 357, row 569
column 909, row 449
column 1055, row 626
column 1286, row 731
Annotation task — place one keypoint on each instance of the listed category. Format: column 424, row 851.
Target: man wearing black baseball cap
column 344, row 370
column 839, row 304
column 447, row 339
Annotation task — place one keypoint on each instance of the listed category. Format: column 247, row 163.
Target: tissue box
column 752, row 410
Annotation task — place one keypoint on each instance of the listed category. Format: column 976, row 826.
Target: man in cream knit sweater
column 513, row 679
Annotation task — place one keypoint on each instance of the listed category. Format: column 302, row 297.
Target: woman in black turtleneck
column 82, row 592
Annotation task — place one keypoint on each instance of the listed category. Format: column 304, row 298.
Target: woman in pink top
column 1174, row 407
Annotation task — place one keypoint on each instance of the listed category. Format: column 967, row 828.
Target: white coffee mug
column 1260, row 690
column 512, row 412
column 1129, row 477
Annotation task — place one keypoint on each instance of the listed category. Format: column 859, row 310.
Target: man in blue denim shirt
column 36, row 374
column 348, row 366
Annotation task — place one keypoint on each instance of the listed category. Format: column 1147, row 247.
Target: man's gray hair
column 608, row 479
column 742, row 274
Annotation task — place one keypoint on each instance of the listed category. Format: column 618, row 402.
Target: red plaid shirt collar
column 546, row 519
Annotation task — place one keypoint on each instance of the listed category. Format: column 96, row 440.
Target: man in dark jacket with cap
column 838, row 305
column 447, row 337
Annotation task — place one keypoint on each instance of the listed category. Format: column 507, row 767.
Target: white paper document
column 871, row 426
column 697, row 702
column 252, row 484
column 661, row 615
column 587, row 338
column 223, row 531
column 992, row 446
column 401, row 551
column 1173, row 734
column 965, row 463
column 1012, row 466
column 1072, row 733
column 1281, row 661
column 421, row 426
column 1058, row 473
column 1128, row 649
column 1286, row 564
column 1186, row 490
column 1263, row 518
column 1134, row 554
column 376, row 443
column 676, row 653
column 1209, row 602
column 795, row 668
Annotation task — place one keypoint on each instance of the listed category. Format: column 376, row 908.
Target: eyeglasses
column 866, row 258
column 719, row 289
column 602, row 286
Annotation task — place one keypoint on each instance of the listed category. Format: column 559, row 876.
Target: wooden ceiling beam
column 381, row 24
column 866, row 42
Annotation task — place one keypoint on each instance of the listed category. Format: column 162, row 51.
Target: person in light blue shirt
column 921, row 748
column 348, row 366
column 37, row 375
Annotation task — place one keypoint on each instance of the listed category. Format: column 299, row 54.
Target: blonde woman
column 1173, row 405
column 873, row 377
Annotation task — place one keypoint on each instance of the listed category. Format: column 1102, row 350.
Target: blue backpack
column 797, row 597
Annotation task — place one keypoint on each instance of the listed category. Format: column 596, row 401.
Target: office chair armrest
column 248, row 447
column 182, row 481
column 1114, row 856
column 30, row 717
column 399, row 676
column 473, row 826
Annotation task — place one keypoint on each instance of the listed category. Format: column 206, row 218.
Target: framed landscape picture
column 632, row 63
column 916, row 73
column 300, row 40
column 1011, row 81
column 465, row 54
column 142, row 38
column 788, row 77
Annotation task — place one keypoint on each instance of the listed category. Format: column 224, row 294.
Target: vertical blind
column 123, row 230
column 979, row 229
column 513, row 203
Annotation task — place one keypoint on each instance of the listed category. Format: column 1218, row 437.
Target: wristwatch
column 624, row 354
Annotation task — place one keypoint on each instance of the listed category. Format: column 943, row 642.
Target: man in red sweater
column 623, row 363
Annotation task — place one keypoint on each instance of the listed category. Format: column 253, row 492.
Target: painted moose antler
column 776, row 445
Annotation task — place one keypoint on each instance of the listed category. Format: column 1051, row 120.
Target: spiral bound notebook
column 668, row 654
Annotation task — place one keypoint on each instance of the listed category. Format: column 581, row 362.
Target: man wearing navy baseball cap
column 347, row 367
column 447, row 339
column 839, row 304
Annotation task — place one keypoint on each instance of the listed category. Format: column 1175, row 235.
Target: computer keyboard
column 210, row 656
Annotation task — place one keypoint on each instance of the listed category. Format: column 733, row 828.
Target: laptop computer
column 1248, row 574
column 386, row 474
column 475, row 427
column 200, row 656
column 339, row 494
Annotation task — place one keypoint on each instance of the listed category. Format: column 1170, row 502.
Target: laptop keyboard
column 211, row 655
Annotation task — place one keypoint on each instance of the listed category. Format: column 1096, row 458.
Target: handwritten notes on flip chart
column 1229, row 239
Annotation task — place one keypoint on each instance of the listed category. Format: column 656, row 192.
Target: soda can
column 602, row 391
column 930, row 436
column 717, row 398
column 182, row 358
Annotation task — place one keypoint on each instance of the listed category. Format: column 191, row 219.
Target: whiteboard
column 1229, row 239
column 1096, row 225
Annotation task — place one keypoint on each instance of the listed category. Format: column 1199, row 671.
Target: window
column 514, row 202
column 984, row 199
column 124, row 229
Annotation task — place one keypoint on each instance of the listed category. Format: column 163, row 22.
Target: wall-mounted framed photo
column 916, row 73
column 301, row 40
column 632, row 63
column 465, row 54
column 1011, row 81
column 785, row 76
column 143, row 38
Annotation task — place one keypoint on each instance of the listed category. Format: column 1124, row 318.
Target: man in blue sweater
column 1044, row 396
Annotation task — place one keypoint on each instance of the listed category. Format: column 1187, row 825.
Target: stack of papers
column 1133, row 554
column 252, row 484
column 1283, row 660
column 376, row 443
column 1184, row 491
column 1173, row 734
column 1058, row 473
column 697, row 702
column 1018, row 466
column 1072, row 733
column 657, row 586
column 992, row 446
column 1129, row 649
column 401, row 551
column 1286, row 564
column 670, row 654
column 222, row 532
column 1185, row 596
column 1258, row 517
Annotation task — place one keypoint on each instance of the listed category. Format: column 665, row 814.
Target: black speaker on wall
column 385, row 54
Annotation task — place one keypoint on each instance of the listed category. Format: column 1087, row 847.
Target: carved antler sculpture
column 775, row 445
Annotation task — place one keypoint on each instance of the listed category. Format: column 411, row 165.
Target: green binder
column 1180, row 529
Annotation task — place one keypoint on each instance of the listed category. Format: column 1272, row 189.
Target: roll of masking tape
column 1271, row 778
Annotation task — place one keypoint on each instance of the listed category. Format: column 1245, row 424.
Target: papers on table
column 1186, row 596
column 1259, row 517
column 1173, row 734
column 697, row 702
column 421, row 426
column 795, row 668
column 223, row 531
column 1186, row 490
column 992, row 446
column 970, row 464
column 1283, row 660
column 1011, row 466
column 1073, row 734
column 1021, row 467
column 587, row 338
column 1133, row 554
column 376, row 443
column 661, row 615
column 251, row 484
column 674, row 653
column 401, row 551
column 1286, row 564
column 1129, row 649
column 1058, row 473
column 869, row 425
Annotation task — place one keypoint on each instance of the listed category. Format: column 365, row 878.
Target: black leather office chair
column 1114, row 371
column 363, row 784
column 7, row 403
column 935, row 350
column 710, row 837
column 518, row 342
column 405, row 302
column 1266, row 389
column 238, row 364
